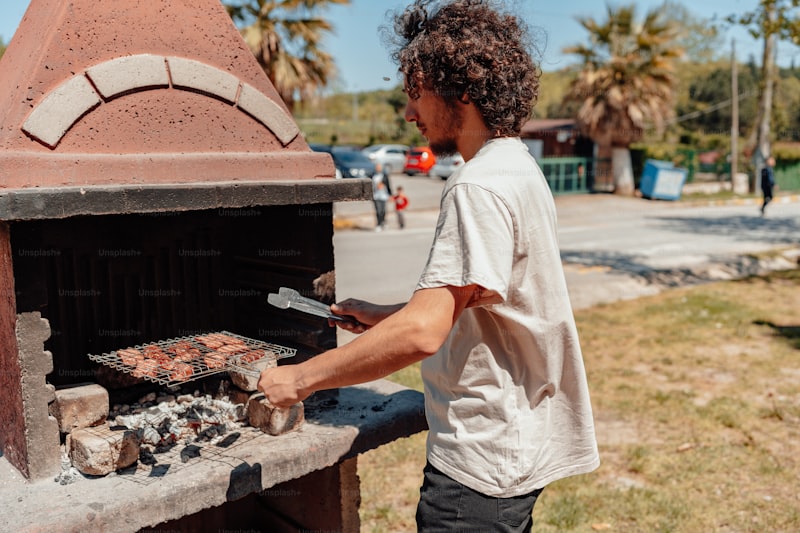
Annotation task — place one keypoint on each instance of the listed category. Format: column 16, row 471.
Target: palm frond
column 633, row 87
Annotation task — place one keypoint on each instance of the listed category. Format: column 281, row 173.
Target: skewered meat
column 130, row 356
column 215, row 360
column 227, row 339
column 253, row 356
column 208, row 341
column 182, row 372
column 146, row 367
column 233, row 348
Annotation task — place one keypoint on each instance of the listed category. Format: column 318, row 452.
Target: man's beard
column 447, row 146
column 444, row 147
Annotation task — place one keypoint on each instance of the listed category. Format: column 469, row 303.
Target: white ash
column 69, row 474
column 186, row 418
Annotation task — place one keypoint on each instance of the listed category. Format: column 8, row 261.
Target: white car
column 445, row 166
column 392, row 157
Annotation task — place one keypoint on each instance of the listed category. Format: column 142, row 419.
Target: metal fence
column 576, row 175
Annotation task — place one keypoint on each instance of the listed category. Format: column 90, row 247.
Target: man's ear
column 464, row 98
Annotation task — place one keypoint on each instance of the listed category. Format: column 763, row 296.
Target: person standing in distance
column 767, row 183
column 400, row 205
column 506, row 392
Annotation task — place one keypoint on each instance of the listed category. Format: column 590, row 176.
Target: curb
column 780, row 199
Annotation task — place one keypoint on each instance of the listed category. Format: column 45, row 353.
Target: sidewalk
column 361, row 215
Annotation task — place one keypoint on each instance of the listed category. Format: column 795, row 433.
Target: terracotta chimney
column 88, row 88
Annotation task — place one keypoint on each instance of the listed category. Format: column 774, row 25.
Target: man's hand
column 281, row 385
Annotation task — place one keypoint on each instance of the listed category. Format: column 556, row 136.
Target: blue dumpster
column 661, row 180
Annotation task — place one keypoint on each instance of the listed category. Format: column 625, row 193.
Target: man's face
column 437, row 120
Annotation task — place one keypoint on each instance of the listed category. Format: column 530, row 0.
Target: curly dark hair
column 469, row 48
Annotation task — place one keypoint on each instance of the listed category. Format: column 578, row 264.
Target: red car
column 419, row 161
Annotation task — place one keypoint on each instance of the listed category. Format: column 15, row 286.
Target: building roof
column 545, row 124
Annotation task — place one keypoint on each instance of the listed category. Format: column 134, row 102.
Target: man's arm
column 365, row 314
column 411, row 334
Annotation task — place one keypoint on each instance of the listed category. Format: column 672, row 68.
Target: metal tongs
column 287, row 298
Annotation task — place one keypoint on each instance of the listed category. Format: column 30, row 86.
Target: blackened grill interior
column 107, row 282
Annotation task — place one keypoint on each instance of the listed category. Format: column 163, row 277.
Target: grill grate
column 175, row 361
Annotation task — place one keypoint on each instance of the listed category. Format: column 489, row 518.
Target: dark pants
column 767, row 191
column 445, row 505
column 380, row 212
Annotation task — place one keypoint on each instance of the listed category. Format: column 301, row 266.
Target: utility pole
column 763, row 148
column 734, row 115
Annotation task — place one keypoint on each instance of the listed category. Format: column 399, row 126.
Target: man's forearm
column 390, row 345
column 406, row 335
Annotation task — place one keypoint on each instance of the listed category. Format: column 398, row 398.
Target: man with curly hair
column 506, row 393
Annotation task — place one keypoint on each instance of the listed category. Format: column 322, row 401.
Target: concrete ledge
column 54, row 203
column 365, row 417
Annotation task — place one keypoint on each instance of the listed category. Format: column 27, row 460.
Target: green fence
column 787, row 176
column 568, row 175
column 576, row 175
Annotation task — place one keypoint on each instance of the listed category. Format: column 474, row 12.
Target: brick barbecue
column 153, row 186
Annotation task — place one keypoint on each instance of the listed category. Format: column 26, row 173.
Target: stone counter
column 250, row 462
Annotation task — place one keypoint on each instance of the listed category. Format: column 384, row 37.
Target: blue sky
column 363, row 61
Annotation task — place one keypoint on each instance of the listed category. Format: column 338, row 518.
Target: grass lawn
column 696, row 395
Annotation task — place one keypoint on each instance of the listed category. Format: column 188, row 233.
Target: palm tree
column 285, row 37
column 626, row 83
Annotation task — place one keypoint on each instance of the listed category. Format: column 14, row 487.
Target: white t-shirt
column 506, row 396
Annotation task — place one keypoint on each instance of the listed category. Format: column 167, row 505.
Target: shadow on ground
column 774, row 231
column 790, row 333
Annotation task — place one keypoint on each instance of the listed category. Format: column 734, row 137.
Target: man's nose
column 411, row 112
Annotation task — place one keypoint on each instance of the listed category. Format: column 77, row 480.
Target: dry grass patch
column 696, row 394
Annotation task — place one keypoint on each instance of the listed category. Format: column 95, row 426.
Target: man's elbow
column 427, row 337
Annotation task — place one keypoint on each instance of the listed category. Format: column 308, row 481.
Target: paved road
column 613, row 248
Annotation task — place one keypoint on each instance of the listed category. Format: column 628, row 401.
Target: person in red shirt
column 400, row 204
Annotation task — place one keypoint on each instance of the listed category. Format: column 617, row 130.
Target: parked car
column 419, row 161
column 317, row 147
column 392, row 157
column 353, row 164
column 445, row 166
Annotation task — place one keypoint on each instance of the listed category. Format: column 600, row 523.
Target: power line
column 711, row 109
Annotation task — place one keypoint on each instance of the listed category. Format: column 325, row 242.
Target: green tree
column 626, row 84
column 772, row 20
column 708, row 107
column 286, row 36
column 701, row 41
column 2, row 47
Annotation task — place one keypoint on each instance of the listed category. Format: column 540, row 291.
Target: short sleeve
column 473, row 244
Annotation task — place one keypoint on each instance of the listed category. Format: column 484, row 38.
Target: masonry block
column 51, row 119
column 274, row 420
column 41, row 429
column 239, row 396
column 325, row 500
column 265, row 110
column 101, row 450
column 127, row 74
column 80, row 407
column 197, row 76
